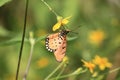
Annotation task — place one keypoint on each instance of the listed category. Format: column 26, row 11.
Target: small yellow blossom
column 43, row 62
column 61, row 21
column 102, row 62
column 96, row 37
column 89, row 65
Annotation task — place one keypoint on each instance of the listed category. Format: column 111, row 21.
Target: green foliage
column 12, row 41
column 3, row 2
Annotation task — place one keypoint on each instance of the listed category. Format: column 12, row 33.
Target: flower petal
column 102, row 62
column 109, row 65
column 89, row 65
column 65, row 20
column 68, row 17
column 102, row 67
column 56, row 26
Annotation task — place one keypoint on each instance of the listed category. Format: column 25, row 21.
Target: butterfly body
column 56, row 43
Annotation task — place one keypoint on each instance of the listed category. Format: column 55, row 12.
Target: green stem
column 59, row 66
column 49, row 7
column 61, row 71
column 32, row 42
column 114, row 70
column 22, row 43
column 71, row 74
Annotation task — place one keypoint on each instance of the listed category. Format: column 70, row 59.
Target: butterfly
column 57, row 43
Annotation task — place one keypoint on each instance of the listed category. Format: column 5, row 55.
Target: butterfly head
column 64, row 32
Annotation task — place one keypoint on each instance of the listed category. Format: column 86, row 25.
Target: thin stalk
column 22, row 43
column 114, row 70
column 49, row 7
column 71, row 74
column 61, row 71
column 32, row 42
column 59, row 66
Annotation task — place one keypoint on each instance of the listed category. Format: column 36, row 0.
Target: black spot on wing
column 63, row 47
column 54, row 39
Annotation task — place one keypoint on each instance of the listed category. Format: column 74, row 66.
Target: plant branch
column 71, row 74
column 22, row 43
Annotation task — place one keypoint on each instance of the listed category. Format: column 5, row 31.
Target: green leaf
column 16, row 40
column 41, row 38
column 12, row 41
column 2, row 2
column 71, row 38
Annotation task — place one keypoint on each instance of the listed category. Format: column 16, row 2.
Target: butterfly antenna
column 74, row 32
column 76, row 28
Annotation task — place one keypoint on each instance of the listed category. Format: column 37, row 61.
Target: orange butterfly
column 57, row 43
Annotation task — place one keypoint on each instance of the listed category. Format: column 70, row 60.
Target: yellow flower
column 43, row 62
column 96, row 37
column 89, row 65
column 61, row 21
column 102, row 62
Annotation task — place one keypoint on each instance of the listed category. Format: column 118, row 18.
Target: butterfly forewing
column 53, row 42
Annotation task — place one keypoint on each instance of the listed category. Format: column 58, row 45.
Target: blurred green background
column 99, row 34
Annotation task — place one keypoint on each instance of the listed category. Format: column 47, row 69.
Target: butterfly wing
column 52, row 42
column 57, row 44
